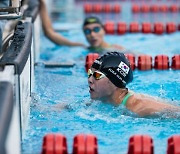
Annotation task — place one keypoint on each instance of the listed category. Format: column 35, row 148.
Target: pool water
column 61, row 102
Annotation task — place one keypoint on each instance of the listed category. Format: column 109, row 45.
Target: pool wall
column 17, row 80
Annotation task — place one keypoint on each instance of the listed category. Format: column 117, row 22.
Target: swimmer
column 94, row 32
column 107, row 79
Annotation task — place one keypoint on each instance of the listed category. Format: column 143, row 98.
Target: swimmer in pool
column 107, row 79
column 94, row 32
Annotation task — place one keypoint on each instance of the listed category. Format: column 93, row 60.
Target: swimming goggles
column 96, row 74
column 88, row 31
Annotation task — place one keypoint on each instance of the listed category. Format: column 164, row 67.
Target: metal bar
column 8, row 9
column 11, row 16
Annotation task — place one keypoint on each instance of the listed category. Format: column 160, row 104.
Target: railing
column 12, row 11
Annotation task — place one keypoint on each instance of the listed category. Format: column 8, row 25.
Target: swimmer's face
column 94, row 34
column 100, row 89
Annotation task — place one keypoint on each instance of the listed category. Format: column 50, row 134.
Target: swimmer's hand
column 61, row 106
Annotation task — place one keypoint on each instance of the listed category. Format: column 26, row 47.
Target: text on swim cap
column 98, row 62
column 114, row 73
column 121, row 72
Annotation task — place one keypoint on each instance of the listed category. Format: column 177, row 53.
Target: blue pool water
column 61, row 103
column 59, row 87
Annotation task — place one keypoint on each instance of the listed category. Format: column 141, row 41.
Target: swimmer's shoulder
column 117, row 47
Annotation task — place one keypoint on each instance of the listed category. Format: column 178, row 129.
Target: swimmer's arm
column 150, row 106
column 62, row 106
column 49, row 31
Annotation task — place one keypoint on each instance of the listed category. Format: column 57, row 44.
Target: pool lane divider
column 140, row 144
column 54, row 144
column 88, row 144
column 135, row 8
column 85, row 144
column 57, row 144
column 102, row 8
column 145, row 27
column 144, row 62
column 154, row 8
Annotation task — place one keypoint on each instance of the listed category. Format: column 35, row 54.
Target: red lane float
column 85, row 144
column 54, row 144
column 173, row 8
column 170, row 27
column 144, row 62
column 90, row 58
column 175, row 62
column 163, row 8
column 146, row 27
column 173, row 145
column 88, row 8
column 109, row 27
column 145, row 8
column 107, row 8
column 154, row 8
column 121, row 28
column 134, row 27
column 140, row 144
column 158, row 28
column 97, row 8
column 116, row 8
column 135, row 8
column 161, row 62
column 131, row 59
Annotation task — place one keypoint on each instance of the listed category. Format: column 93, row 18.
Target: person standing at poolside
column 107, row 81
column 49, row 31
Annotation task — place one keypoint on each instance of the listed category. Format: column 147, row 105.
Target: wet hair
column 116, row 67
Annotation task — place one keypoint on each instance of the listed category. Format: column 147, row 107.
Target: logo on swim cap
column 92, row 20
column 124, row 67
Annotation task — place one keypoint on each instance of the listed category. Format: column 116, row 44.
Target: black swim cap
column 92, row 20
column 116, row 67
